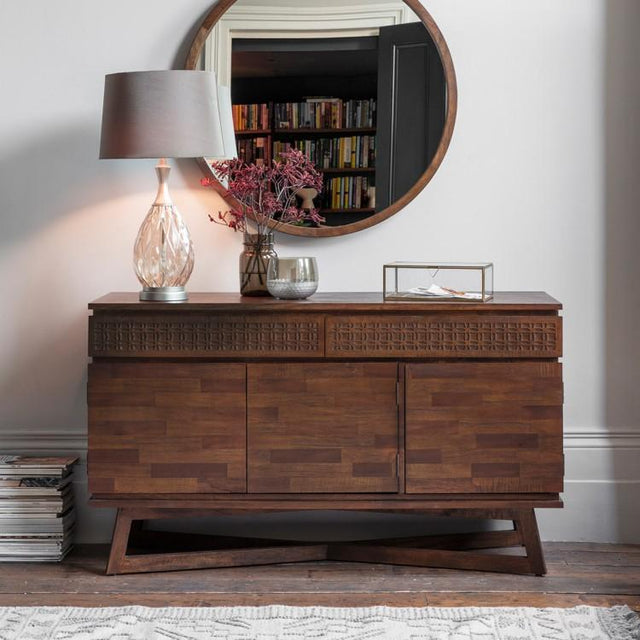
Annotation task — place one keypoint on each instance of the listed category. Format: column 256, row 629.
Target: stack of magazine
column 37, row 516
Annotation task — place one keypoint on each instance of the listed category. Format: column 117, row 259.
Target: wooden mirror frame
column 193, row 58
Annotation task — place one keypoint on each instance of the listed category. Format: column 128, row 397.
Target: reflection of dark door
column 411, row 109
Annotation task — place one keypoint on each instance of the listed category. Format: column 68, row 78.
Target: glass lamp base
column 163, row 294
column 163, row 252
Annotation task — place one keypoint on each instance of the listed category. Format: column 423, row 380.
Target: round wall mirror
column 367, row 91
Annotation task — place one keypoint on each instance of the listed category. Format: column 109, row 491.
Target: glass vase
column 292, row 278
column 254, row 264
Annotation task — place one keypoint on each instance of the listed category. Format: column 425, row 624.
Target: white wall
column 540, row 178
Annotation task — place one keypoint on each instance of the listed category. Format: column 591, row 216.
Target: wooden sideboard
column 226, row 405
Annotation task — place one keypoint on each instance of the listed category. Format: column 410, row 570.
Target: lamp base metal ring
column 163, row 294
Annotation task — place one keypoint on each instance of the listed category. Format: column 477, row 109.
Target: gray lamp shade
column 161, row 114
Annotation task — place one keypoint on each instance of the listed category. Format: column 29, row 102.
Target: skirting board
column 601, row 489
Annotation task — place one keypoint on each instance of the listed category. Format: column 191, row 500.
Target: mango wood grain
column 537, row 302
column 162, row 427
column 258, row 504
column 527, row 526
column 431, row 558
column 462, row 541
column 322, row 428
column 484, row 427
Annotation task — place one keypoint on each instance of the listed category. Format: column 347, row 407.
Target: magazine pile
column 37, row 516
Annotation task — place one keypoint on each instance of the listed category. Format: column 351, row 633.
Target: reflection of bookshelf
column 341, row 131
column 252, row 123
column 254, row 146
column 348, row 170
column 341, row 143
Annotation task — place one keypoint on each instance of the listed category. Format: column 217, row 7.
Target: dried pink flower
column 267, row 193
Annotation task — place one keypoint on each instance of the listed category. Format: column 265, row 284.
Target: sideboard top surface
column 352, row 302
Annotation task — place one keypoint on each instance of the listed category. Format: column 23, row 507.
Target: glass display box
column 433, row 281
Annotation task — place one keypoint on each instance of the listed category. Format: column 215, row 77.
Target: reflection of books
column 321, row 99
column 23, row 466
column 436, row 291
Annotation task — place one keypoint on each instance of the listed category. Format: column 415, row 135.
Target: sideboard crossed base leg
column 197, row 551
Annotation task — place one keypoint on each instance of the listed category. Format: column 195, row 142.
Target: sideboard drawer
column 200, row 335
column 444, row 336
column 167, row 428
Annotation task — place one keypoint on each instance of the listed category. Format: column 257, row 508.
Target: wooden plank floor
column 578, row 573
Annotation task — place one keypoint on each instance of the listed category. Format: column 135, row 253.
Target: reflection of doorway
column 279, row 19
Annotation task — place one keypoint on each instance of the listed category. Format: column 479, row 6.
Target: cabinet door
column 484, row 427
column 322, row 428
column 167, row 428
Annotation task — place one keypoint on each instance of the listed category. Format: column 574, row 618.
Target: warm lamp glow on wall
column 164, row 114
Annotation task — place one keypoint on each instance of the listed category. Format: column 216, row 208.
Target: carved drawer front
column 163, row 335
column 167, row 428
column 322, row 428
column 484, row 427
column 439, row 335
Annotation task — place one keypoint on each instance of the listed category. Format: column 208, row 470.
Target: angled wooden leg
column 119, row 542
column 211, row 551
column 219, row 558
column 456, row 551
column 169, row 551
column 441, row 558
column 527, row 526
column 458, row 541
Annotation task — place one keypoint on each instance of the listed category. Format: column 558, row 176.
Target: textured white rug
column 317, row 623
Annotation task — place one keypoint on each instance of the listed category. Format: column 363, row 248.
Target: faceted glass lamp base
column 163, row 252
column 163, row 294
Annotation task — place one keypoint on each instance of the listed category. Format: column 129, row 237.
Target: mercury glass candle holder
column 292, row 278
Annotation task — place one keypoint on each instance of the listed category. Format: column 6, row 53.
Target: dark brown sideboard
column 226, row 405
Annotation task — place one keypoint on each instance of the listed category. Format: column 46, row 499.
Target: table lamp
column 162, row 114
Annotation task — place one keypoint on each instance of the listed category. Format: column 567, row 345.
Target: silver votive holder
column 292, row 278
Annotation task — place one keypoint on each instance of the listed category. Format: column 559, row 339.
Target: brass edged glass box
column 433, row 281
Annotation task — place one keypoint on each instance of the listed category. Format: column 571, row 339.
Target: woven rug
column 317, row 623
